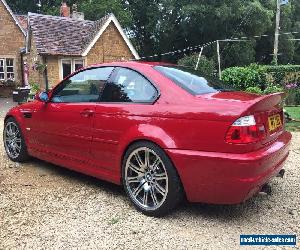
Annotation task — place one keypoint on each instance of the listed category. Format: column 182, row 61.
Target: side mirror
column 42, row 97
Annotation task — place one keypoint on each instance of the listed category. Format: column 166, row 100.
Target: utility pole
column 198, row 61
column 219, row 54
column 219, row 59
column 277, row 28
column 39, row 5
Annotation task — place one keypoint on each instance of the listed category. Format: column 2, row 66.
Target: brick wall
column 53, row 70
column 110, row 47
column 11, row 41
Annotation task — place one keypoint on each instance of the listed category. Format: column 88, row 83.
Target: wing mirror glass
column 42, row 96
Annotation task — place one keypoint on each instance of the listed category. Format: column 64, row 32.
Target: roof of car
column 132, row 63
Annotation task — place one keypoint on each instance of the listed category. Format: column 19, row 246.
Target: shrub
column 269, row 79
column 255, row 90
column 293, row 94
column 206, row 66
column 273, row 89
column 282, row 74
column 243, row 77
column 35, row 87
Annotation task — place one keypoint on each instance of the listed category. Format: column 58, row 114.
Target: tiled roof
column 23, row 21
column 54, row 35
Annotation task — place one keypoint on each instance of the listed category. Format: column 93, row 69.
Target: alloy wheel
column 146, row 178
column 12, row 140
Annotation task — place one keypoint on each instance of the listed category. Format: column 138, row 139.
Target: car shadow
column 256, row 206
column 76, row 177
column 222, row 213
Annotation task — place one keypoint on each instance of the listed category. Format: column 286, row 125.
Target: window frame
column 10, row 66
column 5, row 72
column 112, row 78
column 53, row 91
column 73, row 62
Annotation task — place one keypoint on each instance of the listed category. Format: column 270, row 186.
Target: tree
column 158, row 26
column 23, row 6
column 206, row 66
column 95, row 9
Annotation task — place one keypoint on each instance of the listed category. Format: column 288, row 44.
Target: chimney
column 76, row 14
column 64, row 10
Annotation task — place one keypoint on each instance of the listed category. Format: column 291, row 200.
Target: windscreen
column 191, row 80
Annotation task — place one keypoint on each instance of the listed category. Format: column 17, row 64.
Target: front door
column 63, row 126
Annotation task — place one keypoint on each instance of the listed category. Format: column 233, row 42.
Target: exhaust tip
column 281, row 173
column 266, row 189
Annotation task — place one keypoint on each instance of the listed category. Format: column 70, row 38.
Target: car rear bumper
column 226, row 178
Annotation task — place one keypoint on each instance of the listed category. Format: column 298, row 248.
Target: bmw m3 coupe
column 162, row 131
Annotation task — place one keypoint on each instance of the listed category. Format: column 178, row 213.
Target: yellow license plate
column 274, row 122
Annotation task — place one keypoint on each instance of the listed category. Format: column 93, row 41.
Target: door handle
column 87, row 113
column 27, row 115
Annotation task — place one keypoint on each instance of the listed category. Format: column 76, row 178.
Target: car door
column 63, row 126
column 126, row 101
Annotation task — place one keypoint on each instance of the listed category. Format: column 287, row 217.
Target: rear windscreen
column 191, row 80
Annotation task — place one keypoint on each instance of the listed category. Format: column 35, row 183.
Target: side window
column 85, row 86
column 129, row 86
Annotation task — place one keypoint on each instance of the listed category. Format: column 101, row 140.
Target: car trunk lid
column 267, row 109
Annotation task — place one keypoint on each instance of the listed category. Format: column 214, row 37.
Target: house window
column 10, row 69
column 7, row 69
column 2, row 71
column 69, row 66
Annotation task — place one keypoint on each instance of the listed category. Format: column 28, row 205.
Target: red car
column 161, row 131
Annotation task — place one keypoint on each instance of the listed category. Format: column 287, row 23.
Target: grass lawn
column 294, row 112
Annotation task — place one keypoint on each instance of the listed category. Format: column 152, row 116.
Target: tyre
column 150, row 179
column 14, row 142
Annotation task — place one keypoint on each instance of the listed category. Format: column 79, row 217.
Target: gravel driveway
column 43, row 206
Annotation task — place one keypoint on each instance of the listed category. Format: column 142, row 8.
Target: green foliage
column 206, row 66
column 241, row 54
column 293, row 97
column 273, row 89
column 266, row 79
column 294, row 113
column 35, row 87
column 96, row 9
column 282, row 74
column 243, row 77
column 254, row 90
column 158, row 26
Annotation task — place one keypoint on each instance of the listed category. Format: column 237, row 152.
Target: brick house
column 66, row 44
column 56, row 46
column 12, row 37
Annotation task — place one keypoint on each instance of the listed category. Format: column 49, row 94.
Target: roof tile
column 54, row 35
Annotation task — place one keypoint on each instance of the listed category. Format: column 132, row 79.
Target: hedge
column 266, row 79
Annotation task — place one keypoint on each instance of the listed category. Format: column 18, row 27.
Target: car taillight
column 245, row 130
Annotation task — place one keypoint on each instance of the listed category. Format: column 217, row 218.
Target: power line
column 192, row 48
column 200, row 46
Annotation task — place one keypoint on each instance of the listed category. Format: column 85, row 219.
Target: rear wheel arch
column 137, row 141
